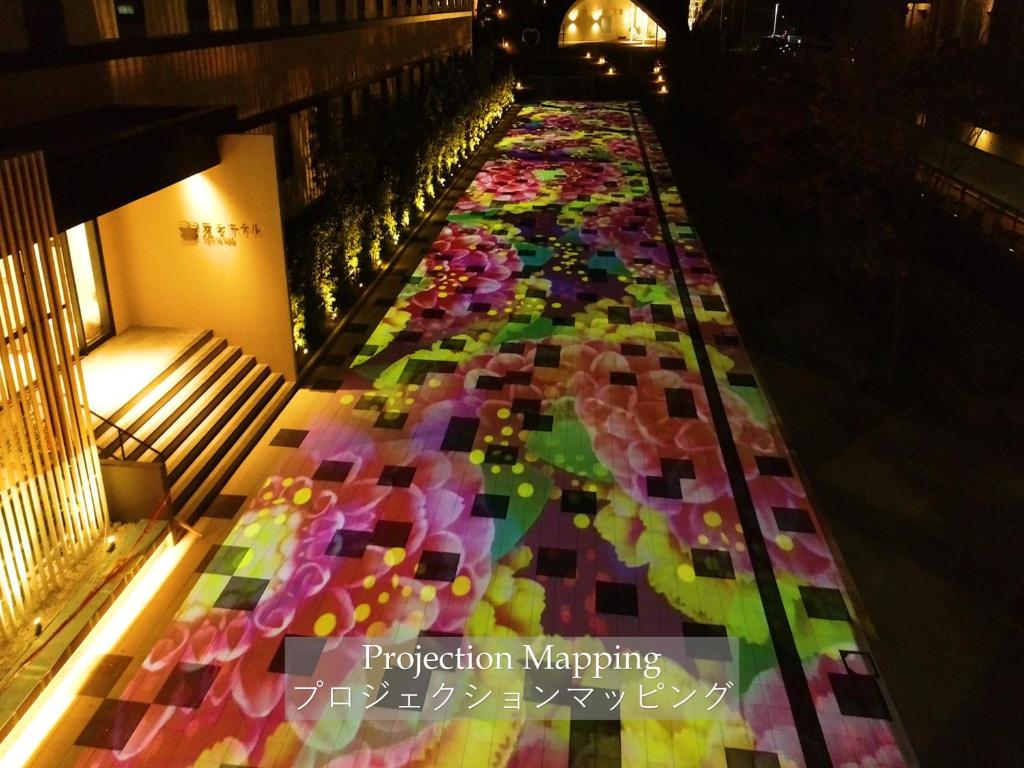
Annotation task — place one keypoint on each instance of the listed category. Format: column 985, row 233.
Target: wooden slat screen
column 52, row 506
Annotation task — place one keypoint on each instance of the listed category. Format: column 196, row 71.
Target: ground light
column 31, row 730
column 611, row 70
column 664, row 89
column 601, row 62
column 586, row 55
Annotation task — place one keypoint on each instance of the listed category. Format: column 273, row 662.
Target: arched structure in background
column 609, row 21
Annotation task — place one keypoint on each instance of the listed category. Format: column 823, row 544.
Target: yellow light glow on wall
column 613, row 21
column 52, row 507
column 34, row 726
column 201, row 193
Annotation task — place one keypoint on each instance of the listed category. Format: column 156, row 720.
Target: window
column 284, row 13
column 198, row 15
column 44, row 23
column 245, row 13
column 131, row 18
column 314, row 11
column 89, row 295
column 380, row 8
column 360, row 9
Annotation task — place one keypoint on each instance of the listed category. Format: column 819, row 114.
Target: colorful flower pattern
column 550, row 293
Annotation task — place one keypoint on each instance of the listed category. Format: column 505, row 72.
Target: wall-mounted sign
column 195, row 232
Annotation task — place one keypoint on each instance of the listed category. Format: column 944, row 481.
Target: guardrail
column 122, row 433
column 995, row 218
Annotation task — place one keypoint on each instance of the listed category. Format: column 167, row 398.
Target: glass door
column 89, row 299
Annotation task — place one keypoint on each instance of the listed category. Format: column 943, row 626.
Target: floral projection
column 527, row 445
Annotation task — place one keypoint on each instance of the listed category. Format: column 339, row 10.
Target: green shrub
column 378, row 171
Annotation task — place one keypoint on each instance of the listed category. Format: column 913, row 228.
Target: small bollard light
column 38, row 623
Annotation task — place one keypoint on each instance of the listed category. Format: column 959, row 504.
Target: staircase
column 200, row 416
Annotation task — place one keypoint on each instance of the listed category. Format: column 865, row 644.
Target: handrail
column 121, row 432
column 985, row 197
column 1006, row 218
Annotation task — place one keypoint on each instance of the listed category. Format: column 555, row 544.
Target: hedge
column 379, row 171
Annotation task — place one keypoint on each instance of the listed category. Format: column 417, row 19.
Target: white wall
column 239, row 291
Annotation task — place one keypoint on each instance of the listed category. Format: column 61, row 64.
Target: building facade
column 169, row 142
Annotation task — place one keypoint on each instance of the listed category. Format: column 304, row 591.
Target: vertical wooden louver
column 51, row 498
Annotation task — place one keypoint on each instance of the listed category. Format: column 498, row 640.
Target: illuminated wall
column 228, row 278
column 604, row 21
column 695, row 8
column 52, row 506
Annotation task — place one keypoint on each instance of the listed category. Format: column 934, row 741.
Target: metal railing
column 122, row 433
column 994, row 217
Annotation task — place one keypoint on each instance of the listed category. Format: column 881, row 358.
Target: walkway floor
column 554, row 430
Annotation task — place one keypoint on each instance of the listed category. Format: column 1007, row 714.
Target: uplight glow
column 35, row 725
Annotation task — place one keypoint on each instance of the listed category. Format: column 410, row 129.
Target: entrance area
column 185, row 327
column 609, row 21
column 90, row 299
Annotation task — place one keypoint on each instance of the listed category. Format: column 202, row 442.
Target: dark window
column 44, row 23
column 314, row 11
column 394, row 7
column 131, row 18
column 198, row 15
column 380, row 8
column 284, row 13
column 283, row 149
column 360, row 9
column 245, row 13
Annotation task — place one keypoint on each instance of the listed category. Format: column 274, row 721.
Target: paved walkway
column 543, row 436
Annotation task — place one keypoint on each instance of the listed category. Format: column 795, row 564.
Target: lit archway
column 609, row 21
